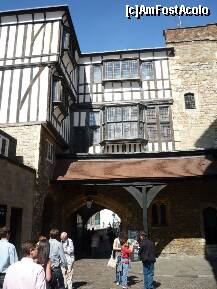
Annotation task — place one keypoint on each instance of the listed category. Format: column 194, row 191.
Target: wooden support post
column 145, row 209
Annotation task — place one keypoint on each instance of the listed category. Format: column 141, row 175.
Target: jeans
column 148, row 270
column 2, row 277
column 118, row 270
column 58, row 276
column 124, row 273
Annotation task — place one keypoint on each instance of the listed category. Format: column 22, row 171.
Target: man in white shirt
column 25, row 274
column 68, row 249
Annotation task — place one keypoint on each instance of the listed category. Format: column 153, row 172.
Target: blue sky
column 101, row 25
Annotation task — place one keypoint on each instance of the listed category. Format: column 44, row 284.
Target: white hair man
column 68, row 249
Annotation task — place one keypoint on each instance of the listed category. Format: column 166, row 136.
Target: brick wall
column 194, row 69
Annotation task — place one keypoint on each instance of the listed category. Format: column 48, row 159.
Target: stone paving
column 170, row 273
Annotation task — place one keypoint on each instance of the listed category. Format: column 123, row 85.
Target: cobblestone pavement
column 94, row 274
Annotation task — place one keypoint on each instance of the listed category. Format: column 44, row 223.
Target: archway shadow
column 79, row 284
column 208, row 140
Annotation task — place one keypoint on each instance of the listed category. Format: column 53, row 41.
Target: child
column 125, row 256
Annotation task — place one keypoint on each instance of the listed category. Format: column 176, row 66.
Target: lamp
column 89, row 203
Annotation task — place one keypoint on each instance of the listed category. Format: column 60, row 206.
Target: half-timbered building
column 129, row 130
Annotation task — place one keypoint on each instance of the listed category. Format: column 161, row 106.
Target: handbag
column 112, row 262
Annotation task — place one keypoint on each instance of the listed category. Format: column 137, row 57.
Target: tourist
column 147, row 256
column 68, row 249
column 126, row 249
column 57, row 257
column 8, row 254
column 94, row 244
column 117, row 256
column 43, row 259
column 25, row 274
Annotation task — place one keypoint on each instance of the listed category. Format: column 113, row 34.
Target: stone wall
column 45, row 173
column 184, row 233
column 185, row 201
column 28, row 142
column 17, row 190
column 32, row 151
column 193, row 69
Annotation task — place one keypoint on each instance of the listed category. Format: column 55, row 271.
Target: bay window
column 60, row 99
column 123, row 123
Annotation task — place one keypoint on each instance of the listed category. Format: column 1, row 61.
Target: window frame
column 159, row 214
column 50, row 151
column 98, row 66
column 125, row 123
column 158, row 122
column 189, row 103
column 7, row 142
column 60, row 97
column 66, row 38
column 147, row 76
column 94, row 126
column 109, row 72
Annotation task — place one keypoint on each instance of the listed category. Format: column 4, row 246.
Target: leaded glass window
column 130, row 113
column 56, row 90
column 96, row 135
column 126, row 69
column 165, row 131
column 108, row 70
column 164, row 113
column 121, row 69
column 123, row 123
column 117, row 69
column 114, row 114
column 94, row 118
column 147, row 70
column 152, row 132
column 4, row 144
column 189, row 101
column 130, row 130
column 151, row 114
column 97, row 74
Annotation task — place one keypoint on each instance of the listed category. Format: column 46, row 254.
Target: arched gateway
column 157, row 194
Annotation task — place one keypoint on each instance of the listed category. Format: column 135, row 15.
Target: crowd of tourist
column 48, row 264
column 122, row 250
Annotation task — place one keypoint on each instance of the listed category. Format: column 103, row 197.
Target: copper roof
column 122, row 169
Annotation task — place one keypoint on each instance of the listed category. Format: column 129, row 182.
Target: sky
column 101, row 25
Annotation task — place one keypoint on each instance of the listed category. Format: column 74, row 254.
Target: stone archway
column 112, row 198
column 67, row 199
